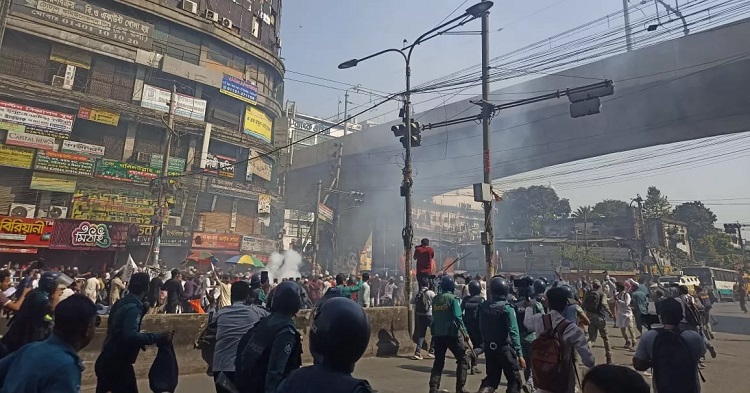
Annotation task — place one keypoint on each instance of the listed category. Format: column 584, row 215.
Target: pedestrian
column 53, row 365
column 116, row 287
column 363, row 296
column 345, row 290
column 375, row 290
column 231, row 323
column 640, row 307
column 272, row 349
column 692, row 311
column 528, row 336
column 91, row 290
column 705, row 318
column 624, row 318
column 423, row 317
column 424, row 255
column 595, row 304
column 174, row 290
column 470, row 307
column 154, row 294
column 672, row 352
column 608, row 378
column 553, row 363
column 335, row 347
column 224, row 288
column 501, row 339
column 741, row 292
column 446, row 323
column 388, row 292
column 5, row 303
column 257, row 295
column 114, row 366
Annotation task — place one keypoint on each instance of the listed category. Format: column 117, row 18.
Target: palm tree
column 583, row 213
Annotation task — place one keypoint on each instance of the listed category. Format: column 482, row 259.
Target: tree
column 523, row 209
column 716, row 249
column 656, row 205
column 583, row 213
column 610, row 208
column 700, row 220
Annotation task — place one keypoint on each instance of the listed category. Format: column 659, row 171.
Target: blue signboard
column 239, row 89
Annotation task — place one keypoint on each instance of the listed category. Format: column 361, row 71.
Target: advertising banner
column 105, row 205
column 262, row 167
column 38, row 121
column 257, row 124
column 326, row 213
column 99, row 116
column 158, row 99
column 219, row 165
column 51, row 182
column 239, row 89
column 234, row 189
column 98, row 236
column 5, row 126
column 122, row 171
column 81, row 16
column 216, row 241
column 173, row 236
column 175, row 165
column 264, row 204
column 69, row 146
column 257, row 245
column 65, row 163
column 17, row 157
column 40, row 142
column 26, row 232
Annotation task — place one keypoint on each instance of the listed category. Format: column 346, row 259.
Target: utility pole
column 161, row 199
column 489, row 240
column 628, row 32
column 4, row 9
column 314, row 231
column 346, row 112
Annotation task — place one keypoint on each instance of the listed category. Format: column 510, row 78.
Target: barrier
column 388, row 325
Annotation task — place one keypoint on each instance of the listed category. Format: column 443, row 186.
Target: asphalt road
column 728, row 373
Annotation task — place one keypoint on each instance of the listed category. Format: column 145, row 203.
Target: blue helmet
column 499, row 288
column 540, row 286
column 475, row 288
column 447, row 284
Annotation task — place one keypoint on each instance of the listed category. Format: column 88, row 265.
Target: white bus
column 721, row 280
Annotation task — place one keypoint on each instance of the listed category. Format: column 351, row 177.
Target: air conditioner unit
column 190, row 6
column 226, row 23
column 174, row 221
column 58, row 81
column 211, row 15
column 55, row 212
column 143, row 157
column 22, row 210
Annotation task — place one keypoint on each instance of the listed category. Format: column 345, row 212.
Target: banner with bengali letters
column 216, row 241
column 107, row 205
column 53, row 182
column 98, row 236
column 64, row 163
column 16, row 156
column 37, row 120
column 123, row 171
column 26, row 232
column 82, row 148
column 257, row 124
column 99, row 115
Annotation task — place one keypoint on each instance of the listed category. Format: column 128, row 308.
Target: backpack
column 675, row 371
column 693, row 312
column 552, row 367
column 422, row 302
column 592, row 301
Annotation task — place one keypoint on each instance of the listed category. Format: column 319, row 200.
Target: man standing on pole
column 424, row 254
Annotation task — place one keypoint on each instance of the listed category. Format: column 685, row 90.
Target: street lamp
column 474, row 12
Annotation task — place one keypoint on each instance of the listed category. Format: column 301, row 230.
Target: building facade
column 85, row 94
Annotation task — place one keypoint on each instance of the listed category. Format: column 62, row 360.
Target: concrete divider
column 389, row 337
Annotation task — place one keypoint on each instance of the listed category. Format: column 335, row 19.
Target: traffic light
column 358, row 198
column 399, row 131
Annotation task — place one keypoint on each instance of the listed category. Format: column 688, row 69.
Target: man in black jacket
column 175, row 292
column 154, row 293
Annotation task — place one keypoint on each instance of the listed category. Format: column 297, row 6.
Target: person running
column 446, row 322
column 6, row 303
column 423, row 313
column 595, row 304
column 624, row 319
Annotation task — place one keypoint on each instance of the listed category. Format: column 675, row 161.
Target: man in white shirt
column 573, row 337
column 92, row 288
column 363, row 296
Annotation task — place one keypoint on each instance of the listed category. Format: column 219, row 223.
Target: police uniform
column 502, row 343
column 527, row 336
column 446, row 322
column 470, row 306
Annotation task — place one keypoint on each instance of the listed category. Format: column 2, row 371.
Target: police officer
column 530, row 291
column 470, row 306
column 272, row 349
column 502, row 344
column 339, row 335
column 540, row 288
column 446, row 322
column 257, row 295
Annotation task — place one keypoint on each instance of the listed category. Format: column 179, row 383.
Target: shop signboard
column 216, row 241
column 5, row 126
column 257, row 124
column 174, row 236
column 37, row 120
column 69, row 146
column 25, row 232
column 158, row 99
column 86, row 235
column 123, row 171
column 15, row 156
column 52, row 182
column 40, row 142
column 219, row 165
column 175, row 165
column 99, row 115
column 65, row 163
column 257, row 245
column 106, row 205
column 239, row 89
column 234, row 189
column 90, row 19
column 326, row 213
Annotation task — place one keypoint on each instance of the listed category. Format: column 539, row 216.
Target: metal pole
column 346, row 112
column 315, row 228
column 628, row 32
column 408, row 233
column 4, row 18
column 489, row 247
column 161, row 200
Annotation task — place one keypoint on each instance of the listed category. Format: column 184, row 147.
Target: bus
column 721, row 280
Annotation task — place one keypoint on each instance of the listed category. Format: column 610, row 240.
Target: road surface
column 728, row 373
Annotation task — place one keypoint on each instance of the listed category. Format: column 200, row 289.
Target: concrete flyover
column 388, row 325
column 688, row 88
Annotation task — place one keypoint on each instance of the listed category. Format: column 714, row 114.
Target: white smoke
column 284, row 266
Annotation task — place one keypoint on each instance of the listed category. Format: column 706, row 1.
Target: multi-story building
column 85, row 89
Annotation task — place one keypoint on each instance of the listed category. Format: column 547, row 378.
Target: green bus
column 721, row 280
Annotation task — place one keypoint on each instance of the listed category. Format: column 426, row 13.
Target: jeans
column 422, row 322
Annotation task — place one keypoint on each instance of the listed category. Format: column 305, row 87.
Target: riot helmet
column 255, row 281
column 475, row 288
column 286, row 298
column 49, row 281
column 336, row 344
column 499, row 288
column 540, row 286
column 447, row 284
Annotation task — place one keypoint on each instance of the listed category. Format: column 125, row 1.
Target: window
column 255, row 30
column 221, row 54
column 175, row 41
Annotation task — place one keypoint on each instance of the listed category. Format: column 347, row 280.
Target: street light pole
column 489, row 247
column 161, row 199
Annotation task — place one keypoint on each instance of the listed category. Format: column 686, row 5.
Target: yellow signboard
column 12, row 127
column 99, row 115
column 50, row 182
column 104, row 205
column 257, row 124
column 16, row 156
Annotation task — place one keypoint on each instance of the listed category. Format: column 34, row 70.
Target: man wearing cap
column 596, row 306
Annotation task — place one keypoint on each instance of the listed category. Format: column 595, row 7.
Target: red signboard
column 25, row 232
column 15, row 250
column 97, row 235
column 216, row 241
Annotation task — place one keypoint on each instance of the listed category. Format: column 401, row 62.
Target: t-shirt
column 695, row 342
column 3, row 300
column 424, row 256
column 224, row 294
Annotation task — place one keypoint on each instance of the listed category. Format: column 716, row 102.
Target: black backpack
column 675, row 369
column 422, row 302
column 592, row 301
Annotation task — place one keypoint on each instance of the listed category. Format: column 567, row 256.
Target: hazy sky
column 319, row 34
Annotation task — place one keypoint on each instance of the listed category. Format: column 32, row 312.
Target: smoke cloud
column 284, row 266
